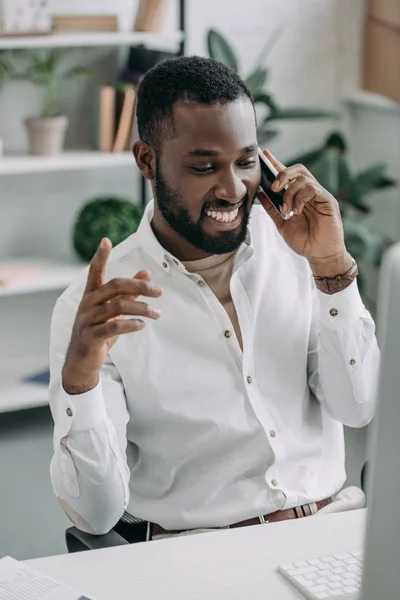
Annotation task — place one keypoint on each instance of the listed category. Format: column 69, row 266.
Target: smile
column 224, row 216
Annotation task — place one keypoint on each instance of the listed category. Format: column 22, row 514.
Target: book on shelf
column 106, row 118
column 16, row 272
column 116, row 116
column 42, row 378
column 151, row 15
column 85, row 23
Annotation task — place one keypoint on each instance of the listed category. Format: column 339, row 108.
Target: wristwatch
column 332, row 285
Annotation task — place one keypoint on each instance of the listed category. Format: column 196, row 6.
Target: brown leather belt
column 280, row 515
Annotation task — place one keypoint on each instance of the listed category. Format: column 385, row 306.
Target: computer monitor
column 382, row 553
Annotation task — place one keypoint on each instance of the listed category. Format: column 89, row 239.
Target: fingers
column 287, row 175
column 125, row 287
column 278, row 165
column 301, row 191
column 115, row 328
column 145, row 275
column 97, row 266
column 120, row 307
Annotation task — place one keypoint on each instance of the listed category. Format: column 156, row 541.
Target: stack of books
column 151, row 15
column 85, row 23
column 116, row 116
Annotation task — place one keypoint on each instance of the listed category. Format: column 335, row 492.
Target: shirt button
column 165, row 265
column 249, row 379
column 69, row 412
column 353, row 362
column 201, row 283
column 333, row 312
column 228, row 333
column 274, row 482
column 272, row 433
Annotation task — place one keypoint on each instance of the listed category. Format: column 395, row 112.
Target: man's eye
column 247, row 163
column 208, row 169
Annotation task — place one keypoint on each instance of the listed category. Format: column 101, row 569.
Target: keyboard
column 338, row 576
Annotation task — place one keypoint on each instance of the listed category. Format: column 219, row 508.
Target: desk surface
column 239, row 564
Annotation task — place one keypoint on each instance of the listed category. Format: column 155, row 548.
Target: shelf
column 67, row 161
column 363, row 98
column 16, row 395
column 47, row 276
column 79, row 40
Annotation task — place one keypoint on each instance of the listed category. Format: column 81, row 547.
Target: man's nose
column 231, row 189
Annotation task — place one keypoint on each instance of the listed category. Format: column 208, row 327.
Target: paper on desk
column 20, row 581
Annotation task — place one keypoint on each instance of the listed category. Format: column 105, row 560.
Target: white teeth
column 223, row 217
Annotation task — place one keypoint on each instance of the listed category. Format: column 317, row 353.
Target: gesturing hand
column 100, row 319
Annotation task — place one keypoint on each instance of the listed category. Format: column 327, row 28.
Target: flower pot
column 46, row 135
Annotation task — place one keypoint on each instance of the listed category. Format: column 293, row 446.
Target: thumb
column 270, row 209
column 144, row 275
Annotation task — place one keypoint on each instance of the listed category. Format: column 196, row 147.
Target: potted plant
column 220, row 49
column 46, row 132
column 108, row 216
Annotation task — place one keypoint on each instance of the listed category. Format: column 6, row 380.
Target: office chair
column 128, row 530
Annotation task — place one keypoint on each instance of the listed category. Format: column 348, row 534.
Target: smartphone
column 268, row 176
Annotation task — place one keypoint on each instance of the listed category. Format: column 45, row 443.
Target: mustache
column 217, row 204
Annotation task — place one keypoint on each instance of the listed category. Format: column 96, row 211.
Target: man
column 222, row 400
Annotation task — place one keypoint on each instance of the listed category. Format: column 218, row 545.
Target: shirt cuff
column 341, row 309
column 87, row 410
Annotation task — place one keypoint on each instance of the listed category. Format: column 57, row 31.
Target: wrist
column 75, row 382
column 332, row 267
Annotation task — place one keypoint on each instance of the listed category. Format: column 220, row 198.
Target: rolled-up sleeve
column 344, row 358
column 89, row 470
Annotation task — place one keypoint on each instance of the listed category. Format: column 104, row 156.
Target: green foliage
column 5, row 68
column 115, row 218
column 330, row 166
column 43, row 69
column 220, row 49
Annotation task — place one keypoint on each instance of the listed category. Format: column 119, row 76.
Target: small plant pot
column 46, row 135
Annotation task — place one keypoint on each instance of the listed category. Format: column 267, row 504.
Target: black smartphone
column 268, row 176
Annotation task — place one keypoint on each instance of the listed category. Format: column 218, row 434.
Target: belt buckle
column 263, row 520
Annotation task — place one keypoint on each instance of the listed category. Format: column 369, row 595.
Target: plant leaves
column 220, row 49
column 76, row 72
column 256, row 80
column 284, row 114
column 307, row 159
column 336, row 140
column 264, row 98
column 266, row 135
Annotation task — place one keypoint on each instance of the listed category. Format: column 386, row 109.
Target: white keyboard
column 337, row 576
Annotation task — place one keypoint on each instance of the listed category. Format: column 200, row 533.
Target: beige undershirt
column 216, row 271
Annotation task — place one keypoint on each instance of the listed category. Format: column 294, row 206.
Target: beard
column 176, row 214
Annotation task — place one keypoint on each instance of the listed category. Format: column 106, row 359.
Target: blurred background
column 326, row 78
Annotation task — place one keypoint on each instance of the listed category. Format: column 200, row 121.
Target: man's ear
column 145, row 159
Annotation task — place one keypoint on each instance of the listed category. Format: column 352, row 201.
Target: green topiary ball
column 115, row 218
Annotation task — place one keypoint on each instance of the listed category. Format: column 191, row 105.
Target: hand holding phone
column 268, row 176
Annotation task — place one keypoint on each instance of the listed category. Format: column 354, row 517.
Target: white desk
column 237, row 564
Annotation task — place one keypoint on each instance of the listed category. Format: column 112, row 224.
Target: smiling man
column 202, row 370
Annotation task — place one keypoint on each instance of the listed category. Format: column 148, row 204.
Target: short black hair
column 196, row 78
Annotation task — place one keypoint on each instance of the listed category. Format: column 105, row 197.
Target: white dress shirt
column 187, row 430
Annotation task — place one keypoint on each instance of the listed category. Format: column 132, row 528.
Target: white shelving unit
column 46, row 275
column 67, row 161
column 15, row 394
column 84, row 40
column 52, row 277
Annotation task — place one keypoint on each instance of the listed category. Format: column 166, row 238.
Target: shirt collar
column 148, row 241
